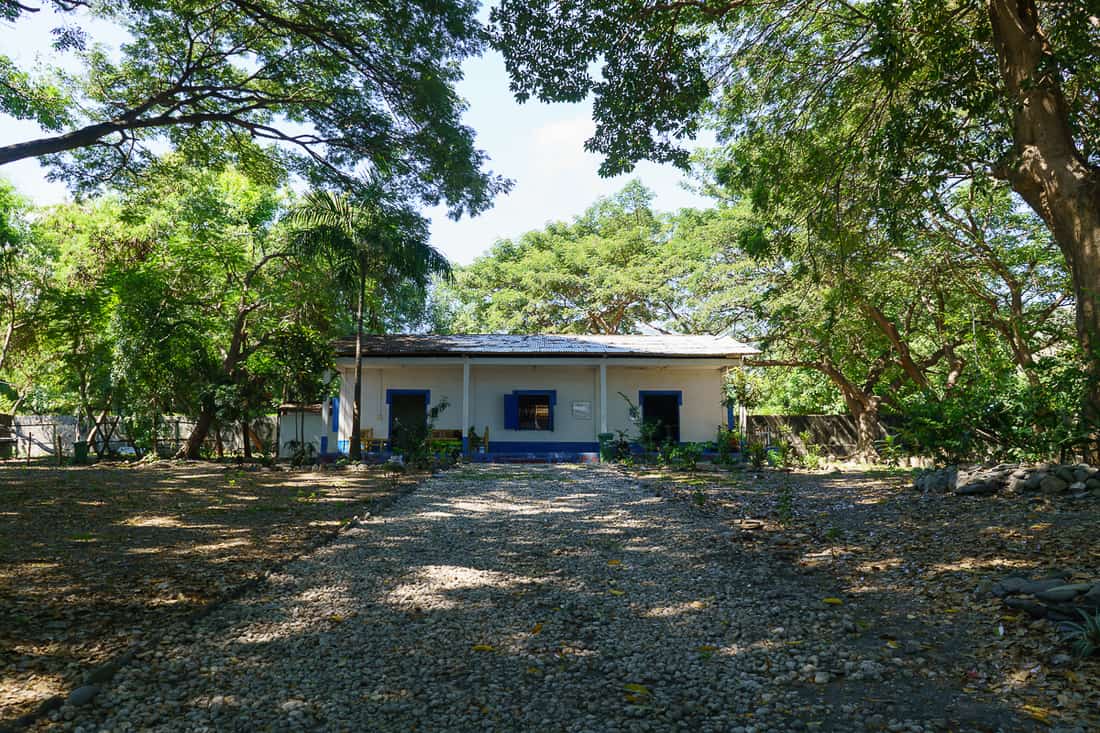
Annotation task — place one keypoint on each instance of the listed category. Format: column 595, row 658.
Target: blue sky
column 538, row 146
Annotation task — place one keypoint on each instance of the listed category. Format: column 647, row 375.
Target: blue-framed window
column 530, row 409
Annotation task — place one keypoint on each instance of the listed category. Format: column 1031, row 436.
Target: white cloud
column 558, row 146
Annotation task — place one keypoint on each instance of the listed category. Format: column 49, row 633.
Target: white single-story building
column 535, row 396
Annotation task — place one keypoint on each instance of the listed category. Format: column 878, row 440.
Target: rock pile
column 1051, row 597
column 1047, row 478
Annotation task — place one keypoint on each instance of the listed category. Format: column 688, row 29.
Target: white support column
column 603, row 397
column 465, row 402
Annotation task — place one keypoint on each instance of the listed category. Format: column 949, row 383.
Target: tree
column 612, row 270
column 379, row 242
column 842, row 112
column 326, row 89
column 25, row 262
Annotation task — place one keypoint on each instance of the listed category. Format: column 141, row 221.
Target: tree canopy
column 959, row 324
column 843, row 118
column 332, row 91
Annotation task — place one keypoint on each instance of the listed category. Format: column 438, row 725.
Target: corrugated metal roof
column 546, row 345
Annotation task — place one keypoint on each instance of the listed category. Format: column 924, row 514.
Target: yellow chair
column 368, row 441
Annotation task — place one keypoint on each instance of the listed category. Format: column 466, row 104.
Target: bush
column 620, row 447
column 813, row 458
column 999, row 415
column 687, row 456
column 726, row 444
column 757, row 454
column 1084, row 637
column 780, row 454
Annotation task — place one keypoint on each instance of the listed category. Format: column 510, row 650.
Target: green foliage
column 726, row 443
column 621, row 447
column 811, row 458
column 1084, row 637
column 794, row 391
column 784, row 504
column 757, row 454
column 686, row 456
column 742, row 389
column 876, row 144
column 781, row 454
column 891, row 450
column 918, row 98
column 602, row 273
column 320, row 90
column 1000, row 415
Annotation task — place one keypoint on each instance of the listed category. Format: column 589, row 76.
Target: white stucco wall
column 700, row 415
column 312, row 428
column 701, row 412
column 489, row 384
column 442, row 382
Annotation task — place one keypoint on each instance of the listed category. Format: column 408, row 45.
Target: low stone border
column 103, row 673
column 1047, row 478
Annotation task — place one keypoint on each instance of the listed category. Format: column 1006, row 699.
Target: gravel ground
column 535, row 599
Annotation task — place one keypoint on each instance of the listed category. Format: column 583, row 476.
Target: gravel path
column 531, row 599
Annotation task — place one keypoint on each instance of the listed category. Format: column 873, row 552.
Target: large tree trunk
column 1050, row 173
column 246, row 439
column 355, row 449
column 868, row 427
column 190, row 449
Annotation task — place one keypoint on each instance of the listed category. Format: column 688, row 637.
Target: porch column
column 465, row 404
column 603, row 397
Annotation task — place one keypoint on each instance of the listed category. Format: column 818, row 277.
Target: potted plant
column 473, row 439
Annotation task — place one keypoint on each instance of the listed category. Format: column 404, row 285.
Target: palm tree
column 379, row 243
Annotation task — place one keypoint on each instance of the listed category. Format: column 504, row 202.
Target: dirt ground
column 95, row 559
column 919, row 570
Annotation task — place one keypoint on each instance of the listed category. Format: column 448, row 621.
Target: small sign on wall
column 582, row 410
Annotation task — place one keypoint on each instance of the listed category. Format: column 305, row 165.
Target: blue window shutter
column 335, row 410
column 511, row 412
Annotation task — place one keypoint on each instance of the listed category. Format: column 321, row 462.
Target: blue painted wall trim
column 334, row 408
column 729, row 417
column 426, row 392
column 678, row 394
column 324, row 445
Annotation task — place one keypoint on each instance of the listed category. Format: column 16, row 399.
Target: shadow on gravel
column 637, row 614
column 94, row 558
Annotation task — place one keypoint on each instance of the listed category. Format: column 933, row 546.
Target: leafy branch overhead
column 324, row 89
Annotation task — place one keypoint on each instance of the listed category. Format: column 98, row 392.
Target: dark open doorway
column 662, row 408
column 408, row 410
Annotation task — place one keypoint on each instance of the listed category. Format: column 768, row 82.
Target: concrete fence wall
column 38, row 433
